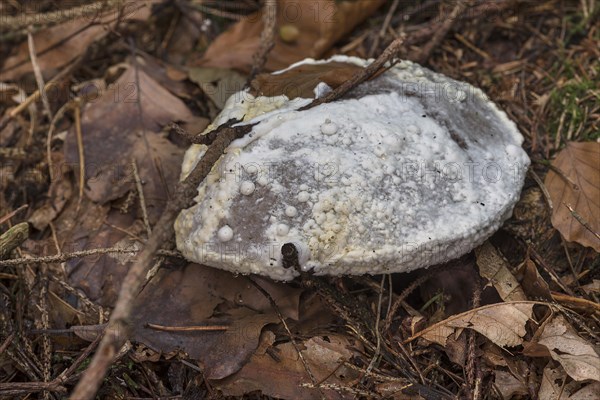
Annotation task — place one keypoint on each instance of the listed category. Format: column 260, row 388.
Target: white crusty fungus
column 408, row 170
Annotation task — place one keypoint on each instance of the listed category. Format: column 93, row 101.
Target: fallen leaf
column 281, row 364
column 59, row 45
column 495, row 269
column 580, row 163
column 509, row 385
column 552, row 384
column 553, row 387
column 301, row 81
column 533, row 283
column 319, row 23
column 99, row 276
column 124, row 124
column 63, row 314
column 588, row 392
column 197, row 295
column 456, row 348
column 502, row 323
column 217, row 83
column 576, row 355
column 60, row 191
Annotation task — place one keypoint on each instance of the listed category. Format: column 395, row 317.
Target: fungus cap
column 408, row 170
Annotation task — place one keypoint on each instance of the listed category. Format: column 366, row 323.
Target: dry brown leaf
column 59, row 45
column 580, row 163
column 502, row 323
column 533, row 283
column 320, row 24
column 60, row 191
column 301, row 81
column 576, row 355
column 495, row 269
column 112, row 127
column 99, row 276
column 509, row 385
column 196, row 295
column 553, row 387
column 62, row 314
column 217, row 83
column 282, row 365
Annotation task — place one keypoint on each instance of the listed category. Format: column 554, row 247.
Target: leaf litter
column 255, row 351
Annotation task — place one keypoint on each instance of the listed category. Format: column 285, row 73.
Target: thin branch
column 37, row 72
column 140, row 190
column 442, row 31
column 267, row 39
column 364, row 75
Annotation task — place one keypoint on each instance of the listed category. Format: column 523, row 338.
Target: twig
column 188, row 328
column 59, row 114
column 44, row 323
column 388, row 54
column 81, row 154
column 56, row 385
column 582, row 221
column 21, row 21
column 472, row 366
column 13, row 238
column 540, row 261
column 37, row 72
column 7, row 342
column 140, row 190
column 59, row 258
column 415, row 284
column 442, row 31
column 543, row 188
column 384, row 27
column 267, row 39
column 377, row 332
column 558, row 172
column 11, row 214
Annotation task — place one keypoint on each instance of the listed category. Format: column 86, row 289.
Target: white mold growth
column 409, row 170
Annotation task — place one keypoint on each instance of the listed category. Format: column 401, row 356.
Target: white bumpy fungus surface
column 409, row 170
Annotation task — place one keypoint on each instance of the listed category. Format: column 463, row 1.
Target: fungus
column 408, row 170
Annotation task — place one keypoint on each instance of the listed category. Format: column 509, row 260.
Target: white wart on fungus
column 408, row 170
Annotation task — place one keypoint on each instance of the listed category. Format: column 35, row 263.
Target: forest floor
column 88, row 168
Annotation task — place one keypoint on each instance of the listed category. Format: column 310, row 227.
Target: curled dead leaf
column 495, row 269
column 502, row 323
